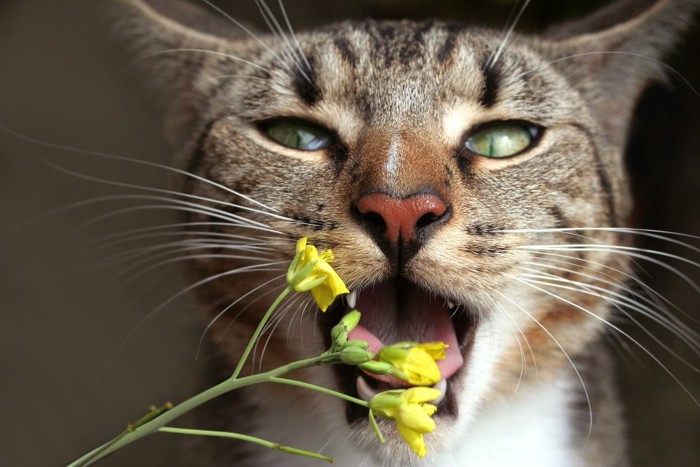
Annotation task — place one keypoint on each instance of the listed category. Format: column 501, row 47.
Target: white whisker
column 612, row 326
column 622, row 302
column 496, row 55
column 201, row 51
column 566, row 355
column 164, row 191
column 145, row 163
column 242, row 27
column 228, row 307
column 278, row 32
column 616, row 52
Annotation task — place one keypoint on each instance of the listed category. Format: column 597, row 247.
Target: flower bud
column 364, row 345
column 377, row 367
column 355, row 355
column 339, row 334
column 351, row 320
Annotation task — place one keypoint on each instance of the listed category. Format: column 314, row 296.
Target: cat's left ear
column 611, row 56
column 173, row 42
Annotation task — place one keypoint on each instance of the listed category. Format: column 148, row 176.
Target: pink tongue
column 411, row 316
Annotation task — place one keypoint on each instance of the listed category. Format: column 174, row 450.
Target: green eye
column 297, row 134
column 502, row 139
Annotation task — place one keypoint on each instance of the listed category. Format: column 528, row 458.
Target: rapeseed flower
column 311, row 271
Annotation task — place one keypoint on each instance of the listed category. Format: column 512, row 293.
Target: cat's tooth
column 352, row 299
column 365, row 392
column 442, row 387
column 450, row 305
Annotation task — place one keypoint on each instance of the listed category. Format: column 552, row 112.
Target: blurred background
column 82, row 353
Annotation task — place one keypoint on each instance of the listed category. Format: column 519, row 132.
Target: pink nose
column 401, row 218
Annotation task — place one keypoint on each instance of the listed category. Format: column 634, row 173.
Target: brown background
column 76, row 366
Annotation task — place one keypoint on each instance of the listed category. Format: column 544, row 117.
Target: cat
column 472, row 188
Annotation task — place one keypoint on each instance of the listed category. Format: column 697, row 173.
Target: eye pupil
column 502, row 140
column 297, row 134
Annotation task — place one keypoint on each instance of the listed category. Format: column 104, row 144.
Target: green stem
column 154, row 425
column 257, row 332
column 302, row 384
column 250, row 439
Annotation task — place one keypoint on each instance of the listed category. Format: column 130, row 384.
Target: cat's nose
column 401, row 220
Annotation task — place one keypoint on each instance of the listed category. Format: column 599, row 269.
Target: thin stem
column 257, row 332
column 375, row 427
column 250, row 439
column 302, row 384
column 152, row 426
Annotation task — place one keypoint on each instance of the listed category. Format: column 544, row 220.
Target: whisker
column 292, row 34
column 615, row 52
column 202, row 82
column 628, row 251
column 647, row 289
column 685, row 334
column 658, row 234
column 164, row 191
column 279, row 33
column 202, row 51
column 145, row 163
column 228, row 307
column 496, row 55
column 566, row 355
column 242, row 27
column 151, row 314
column 612, row 326
column 523, row 359
column 272, row 326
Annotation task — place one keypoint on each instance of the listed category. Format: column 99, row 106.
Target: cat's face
column 459, row 180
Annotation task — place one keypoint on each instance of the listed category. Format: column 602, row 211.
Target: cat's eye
column 503, row 139
column 297, row 134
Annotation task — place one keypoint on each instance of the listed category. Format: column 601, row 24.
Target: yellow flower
column 411, row 411
column 310, row 271
column 415, row 363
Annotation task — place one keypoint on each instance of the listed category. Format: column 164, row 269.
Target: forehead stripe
column 304, row 81
column 447, row 48
column 345, row 50
column 489, row 90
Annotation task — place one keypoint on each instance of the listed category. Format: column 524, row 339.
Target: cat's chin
column 399, row 310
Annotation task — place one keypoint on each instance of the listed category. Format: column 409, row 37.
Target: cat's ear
column 612, row 55
column 172, row 42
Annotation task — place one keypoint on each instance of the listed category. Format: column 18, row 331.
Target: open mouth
column 399, row 310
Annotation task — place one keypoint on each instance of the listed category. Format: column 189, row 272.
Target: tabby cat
column 471, row 185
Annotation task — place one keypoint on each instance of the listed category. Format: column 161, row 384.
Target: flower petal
column 436, row 350
column 419, row 395
column 414, row 417
column 413, row 439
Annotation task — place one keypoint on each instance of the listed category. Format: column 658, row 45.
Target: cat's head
column 464, row 179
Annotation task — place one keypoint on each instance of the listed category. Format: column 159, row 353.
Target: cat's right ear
column 171, row 42
column 612, row 55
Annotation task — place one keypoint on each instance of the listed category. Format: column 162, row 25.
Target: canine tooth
column 352, row 299
column 450, row 305
column 442, row 387
column 365, row 392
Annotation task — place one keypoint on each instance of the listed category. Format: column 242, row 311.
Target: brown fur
column 421, row 87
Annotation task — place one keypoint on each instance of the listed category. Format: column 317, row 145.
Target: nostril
column 400, row 219
column 373, row 221
column 426, row 220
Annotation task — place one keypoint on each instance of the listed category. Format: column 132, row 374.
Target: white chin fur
column 366, row 392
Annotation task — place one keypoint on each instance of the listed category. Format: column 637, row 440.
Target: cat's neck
column 533, row 428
